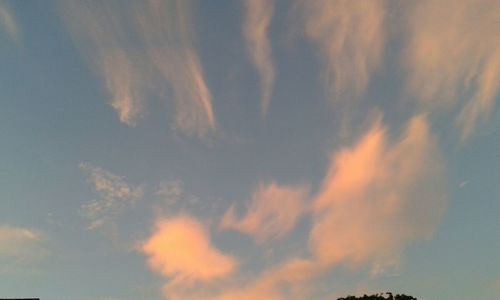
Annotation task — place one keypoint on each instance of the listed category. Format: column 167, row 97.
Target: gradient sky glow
column 253, row 149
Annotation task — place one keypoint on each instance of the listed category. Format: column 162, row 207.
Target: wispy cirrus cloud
column 137, row 48
column 20, row 245
column 180, row 249
column 124, row 82
column 114, row 196
column 273, row 212
column 168, row 36
column 8, row 21
column 258, row 17
column 350, row 40
column 457, row 62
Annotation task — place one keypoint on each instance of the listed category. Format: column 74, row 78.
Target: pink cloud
column 378, row 197
column 20, row 246
column 350, row 39
column 273, row 212
column 180, row 248
column 258, row 16
column 457, row 62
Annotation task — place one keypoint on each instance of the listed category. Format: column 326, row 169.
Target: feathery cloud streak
column 8, row 21
column 258, row 16
column 136, row 48
column 350, row 39
column 274, row 211
column 456, row 62
column 165, row 27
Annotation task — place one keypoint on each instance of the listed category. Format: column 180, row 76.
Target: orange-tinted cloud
column 350, row 39
column 20, row 245
column 180, row 248
column 165, row 27
column 258, row 291
column 378, row 197
column 273, row 212
column 456, row 62
column 286, row 281
column 258, row 16
column 124, row 81
column 139, row 47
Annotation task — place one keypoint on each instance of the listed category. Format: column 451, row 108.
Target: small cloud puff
column 180, row 249
column 273, row 212
column 21, row 245
column 114, row 193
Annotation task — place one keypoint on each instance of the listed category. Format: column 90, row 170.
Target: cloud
column 378, row 197
column 115, row 195
column 165, row 27
column 7, row 21
column 180, row 248
column 20, row 245
column 272, row 284
column 124, row 83
column 137, row 48
column 171, row 191
column 258, row 16
column 273, row 212
column 350, row 39
column 457, row 62
column 258, row 291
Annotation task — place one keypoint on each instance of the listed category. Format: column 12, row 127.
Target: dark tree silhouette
column 390, row 296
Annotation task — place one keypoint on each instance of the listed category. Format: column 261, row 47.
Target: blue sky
column 249, row 149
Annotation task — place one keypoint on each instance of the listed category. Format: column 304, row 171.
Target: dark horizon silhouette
column 380, row 296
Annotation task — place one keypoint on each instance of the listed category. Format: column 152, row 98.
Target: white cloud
column 115, row 195
column 258, row 16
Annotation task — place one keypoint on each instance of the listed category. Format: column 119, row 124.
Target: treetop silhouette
column 390, row 296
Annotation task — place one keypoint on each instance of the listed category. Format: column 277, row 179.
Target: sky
column 252, row 149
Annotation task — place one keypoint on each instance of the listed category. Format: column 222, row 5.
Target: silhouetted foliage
column 390, row 296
